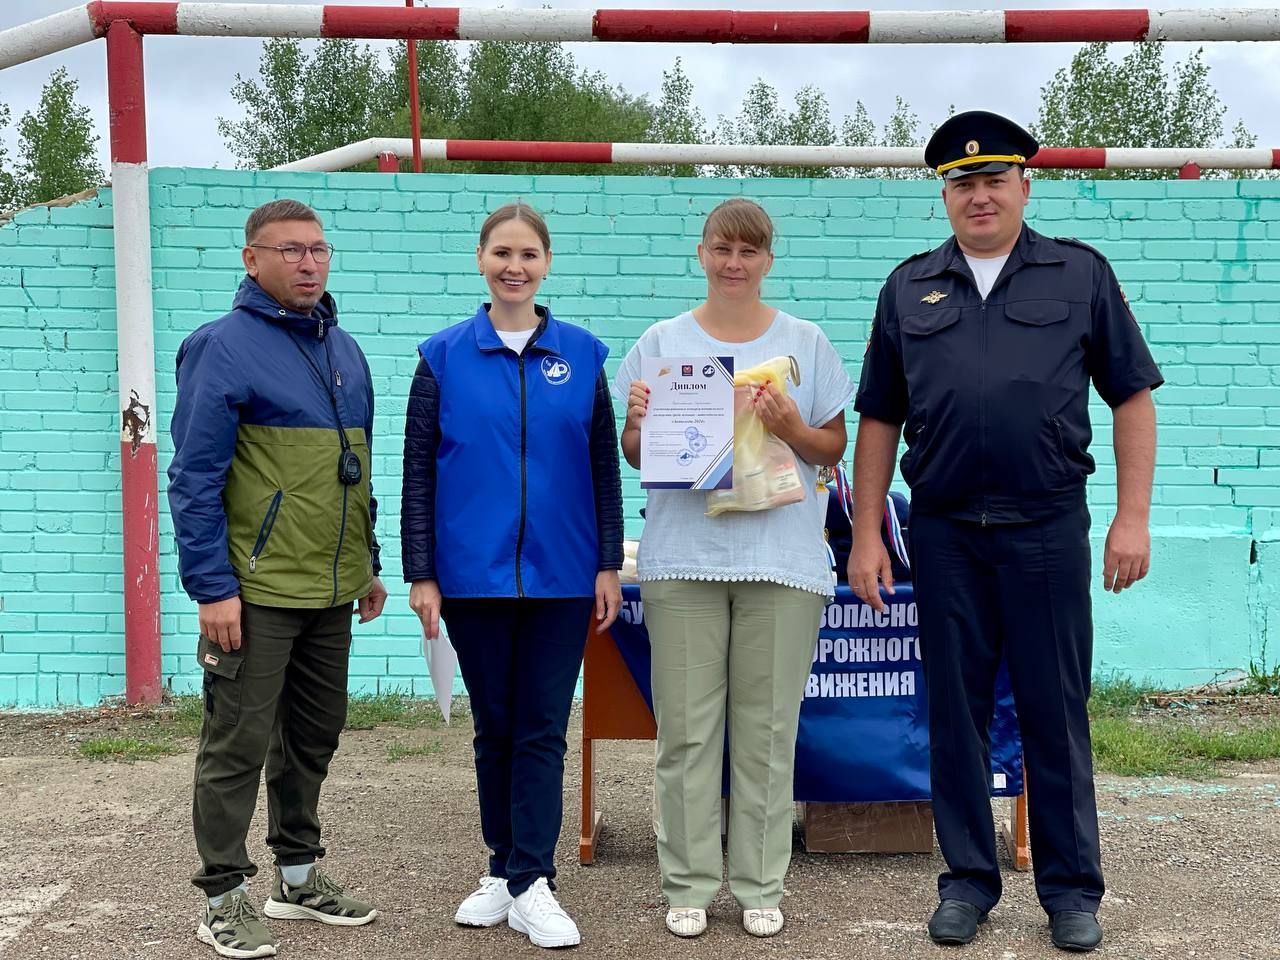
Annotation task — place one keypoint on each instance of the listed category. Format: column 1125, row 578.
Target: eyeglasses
column 296, row 252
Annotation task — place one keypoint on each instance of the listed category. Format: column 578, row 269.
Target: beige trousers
column 740, row 650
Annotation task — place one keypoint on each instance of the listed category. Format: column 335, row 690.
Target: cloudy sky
column 188, row 78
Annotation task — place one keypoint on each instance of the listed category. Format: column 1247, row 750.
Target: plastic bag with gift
column 764, row 467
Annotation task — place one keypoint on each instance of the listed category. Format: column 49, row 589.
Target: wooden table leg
column 1015, row 829
column 1015, row 833
column 591, row 819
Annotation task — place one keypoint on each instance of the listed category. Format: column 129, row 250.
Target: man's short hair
column 274, row 212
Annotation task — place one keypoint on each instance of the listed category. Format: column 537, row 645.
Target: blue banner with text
column 864, row 723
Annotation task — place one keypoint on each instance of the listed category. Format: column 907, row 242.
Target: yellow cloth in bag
column 764, row 468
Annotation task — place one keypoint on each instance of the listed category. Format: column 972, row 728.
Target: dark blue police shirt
column 995, row 394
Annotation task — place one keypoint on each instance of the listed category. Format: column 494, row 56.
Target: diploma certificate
column 686, row 438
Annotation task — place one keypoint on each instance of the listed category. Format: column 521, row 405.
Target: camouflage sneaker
column 317, row 899
column 235, row 929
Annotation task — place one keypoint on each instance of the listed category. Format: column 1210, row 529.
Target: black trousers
column 520, row 660
column 280, row 700
column 1021, row 591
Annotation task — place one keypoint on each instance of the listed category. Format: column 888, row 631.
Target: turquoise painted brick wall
column 1200, row 262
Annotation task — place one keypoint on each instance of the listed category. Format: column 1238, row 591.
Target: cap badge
column 971, row 148
column 935, row 297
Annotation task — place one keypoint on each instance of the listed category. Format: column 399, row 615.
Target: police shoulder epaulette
column 1072, row 241
column 911, row 259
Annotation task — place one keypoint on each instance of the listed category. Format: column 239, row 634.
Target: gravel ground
column 94, row 860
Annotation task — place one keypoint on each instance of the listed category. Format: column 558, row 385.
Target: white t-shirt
column 985, row 271
column 515, row 339
column 783, row 545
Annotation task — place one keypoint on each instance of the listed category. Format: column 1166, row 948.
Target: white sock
column 220, row 898
column 295, row 875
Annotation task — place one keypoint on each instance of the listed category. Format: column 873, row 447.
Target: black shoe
column 1075, row 930
column 955, row 922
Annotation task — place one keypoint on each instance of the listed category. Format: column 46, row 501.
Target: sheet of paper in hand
column 686, row 438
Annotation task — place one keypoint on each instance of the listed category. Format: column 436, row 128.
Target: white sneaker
column 487, row 907
column 686, row 921
column 765, row 922
column 537, row 914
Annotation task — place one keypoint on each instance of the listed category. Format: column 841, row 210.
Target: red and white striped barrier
column 136, row 363
column 84, row 23
column 533, row 151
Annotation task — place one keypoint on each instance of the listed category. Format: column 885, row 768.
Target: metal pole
column 415, row 117
column 544, row 151
column 135, row 337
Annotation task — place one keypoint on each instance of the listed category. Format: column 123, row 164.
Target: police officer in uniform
column 984, row 349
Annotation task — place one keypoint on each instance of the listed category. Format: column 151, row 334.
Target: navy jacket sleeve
column 205, row 420
column 418, row 494
column 882, row 390
column 375, row 549
column 606, row 477
column 1119, row 360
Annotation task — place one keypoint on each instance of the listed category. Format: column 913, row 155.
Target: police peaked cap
column 977, row 141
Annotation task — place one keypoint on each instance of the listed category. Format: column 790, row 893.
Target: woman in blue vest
column 733, row 602
column 511, row 531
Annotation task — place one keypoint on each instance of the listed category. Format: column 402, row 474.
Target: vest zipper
column 524, row 430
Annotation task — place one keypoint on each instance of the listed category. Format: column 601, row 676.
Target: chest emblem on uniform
column 936, row 296
column 555, row 370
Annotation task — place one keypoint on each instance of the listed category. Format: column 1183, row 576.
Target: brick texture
column 1200, row 264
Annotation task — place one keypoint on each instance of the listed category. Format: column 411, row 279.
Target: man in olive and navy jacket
column 273, row 510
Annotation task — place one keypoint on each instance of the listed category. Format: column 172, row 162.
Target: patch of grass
column 1171, row 748
column 1133, row 739
column 400, row 751
column 1262, row 681
column 1117, row 696
column 188, row 715
column 366, row 711
column 126, row 749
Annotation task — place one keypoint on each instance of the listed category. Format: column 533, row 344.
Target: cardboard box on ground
column 905, row 827
column 896, row 827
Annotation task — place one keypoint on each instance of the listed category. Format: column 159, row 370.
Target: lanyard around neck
column 327, row 384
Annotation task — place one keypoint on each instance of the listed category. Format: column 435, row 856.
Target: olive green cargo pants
column 281, row 699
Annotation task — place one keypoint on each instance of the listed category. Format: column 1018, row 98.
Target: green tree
column 8, row 186
column 858, row 129
column 902, row 129
column 535, row 91
column 809, row 123
column 440, row 97
column 302, row 105
column 439, row 87
column 676, row 120
column 1133, row 102
column 57, row 148
column 763, row 121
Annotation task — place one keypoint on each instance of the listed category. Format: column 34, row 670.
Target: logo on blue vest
column 556, row 370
